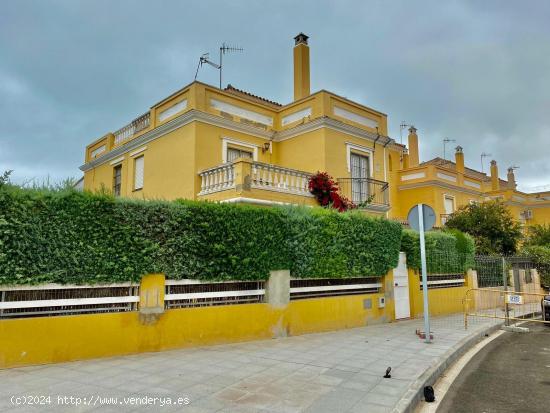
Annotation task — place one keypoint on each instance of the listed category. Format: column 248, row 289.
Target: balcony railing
column 276, row 178
column 365, row 192
column 132, row 128
column 217, row 179
column 255, row 175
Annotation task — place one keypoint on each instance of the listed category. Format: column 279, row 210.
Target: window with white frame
column 138, row 172
column 360, row 172
column 234, row 153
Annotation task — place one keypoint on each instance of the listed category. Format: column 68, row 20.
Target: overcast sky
column 474, row 71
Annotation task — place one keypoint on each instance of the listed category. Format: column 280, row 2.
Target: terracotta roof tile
column 231, row 89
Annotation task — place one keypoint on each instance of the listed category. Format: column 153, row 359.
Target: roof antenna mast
column 224, row 48
column 205, row 58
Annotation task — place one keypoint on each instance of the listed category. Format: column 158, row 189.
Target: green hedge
column 74, row 237
column 447, row 252
column 541, row 258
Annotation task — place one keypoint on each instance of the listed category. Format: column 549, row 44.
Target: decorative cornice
column 439, row 184
column 208, row 118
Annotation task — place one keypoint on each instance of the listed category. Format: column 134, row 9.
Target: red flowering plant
column 326, row 191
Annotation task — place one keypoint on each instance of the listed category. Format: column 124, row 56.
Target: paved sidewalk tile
column 338, row 371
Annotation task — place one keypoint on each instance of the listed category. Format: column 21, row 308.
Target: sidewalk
column 327, row 372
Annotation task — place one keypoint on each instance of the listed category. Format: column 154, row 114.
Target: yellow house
column 231, row 146
column 205, row 143
column 446, row 185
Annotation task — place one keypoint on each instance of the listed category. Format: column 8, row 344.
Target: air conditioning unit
column 528, row 214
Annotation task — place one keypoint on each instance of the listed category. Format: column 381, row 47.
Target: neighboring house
column 231, row 146
column 79, row 185
column 447, row 185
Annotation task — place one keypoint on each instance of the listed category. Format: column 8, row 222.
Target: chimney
column 301, row 67
column 413, row 147
column 495, row 183
column 459, row 160
column 406, row 160
column 511, row 178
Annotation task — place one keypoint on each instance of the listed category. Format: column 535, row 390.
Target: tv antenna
column 484, row 155
column 402, row 127
column 224, row 48
column 205, row 58
column 445, row 142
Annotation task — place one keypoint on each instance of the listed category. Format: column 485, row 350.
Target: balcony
column 255, row 182
column 367, row 193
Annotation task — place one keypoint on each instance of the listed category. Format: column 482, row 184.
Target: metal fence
column 194, row 293
column 54, row 299
column 330, row 287
column 365, row 191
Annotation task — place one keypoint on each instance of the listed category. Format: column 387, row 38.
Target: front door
column 401, row 289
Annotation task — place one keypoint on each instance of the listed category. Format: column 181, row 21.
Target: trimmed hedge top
column 74, row 237
column 447, row 252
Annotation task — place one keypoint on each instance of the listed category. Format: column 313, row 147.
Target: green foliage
column 538, row 235
column 66, row 236
column 491, row 224
column 325, row 244
column 5, row 178
column 541, row 257
column 447, row 252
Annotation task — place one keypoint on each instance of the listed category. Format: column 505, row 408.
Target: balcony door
column 359, row 178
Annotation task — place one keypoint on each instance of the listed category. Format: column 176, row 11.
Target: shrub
column 327, row 192
column 73, row 237
column 446, row 252
column 541, row 258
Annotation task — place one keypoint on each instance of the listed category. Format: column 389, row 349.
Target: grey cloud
column 478, row 72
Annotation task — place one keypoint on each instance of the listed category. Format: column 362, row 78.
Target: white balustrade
column 276, row 178
column 262, row 176
column 132, row 128
column 217, row 179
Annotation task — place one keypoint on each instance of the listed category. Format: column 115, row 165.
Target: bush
column 541, row 258
column 73, row 237
column 447, row 252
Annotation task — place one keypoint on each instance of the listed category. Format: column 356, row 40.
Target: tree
column 491, row 224
column 5, row 178
column 538, row 235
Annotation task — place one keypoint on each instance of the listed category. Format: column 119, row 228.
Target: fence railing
column 365, row 192
column 193, row 293
column 132, row 128
column 444, row 281
column 276, row 178
column 54, row 299
column 330, row 287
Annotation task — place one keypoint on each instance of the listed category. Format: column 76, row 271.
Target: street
column 510, row 374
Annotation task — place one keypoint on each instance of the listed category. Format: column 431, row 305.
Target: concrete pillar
column 277, row 288
column 242, row 168
column 151, row 298
column 472, row 281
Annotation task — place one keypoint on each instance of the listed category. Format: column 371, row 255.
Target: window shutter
column 138, row 173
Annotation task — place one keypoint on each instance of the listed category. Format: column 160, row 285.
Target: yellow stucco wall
column 57, row 339
column 441, row 301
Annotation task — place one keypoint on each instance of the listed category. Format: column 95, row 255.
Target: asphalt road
column 510, row 374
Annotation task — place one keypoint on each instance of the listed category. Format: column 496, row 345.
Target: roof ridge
column 232, row 89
